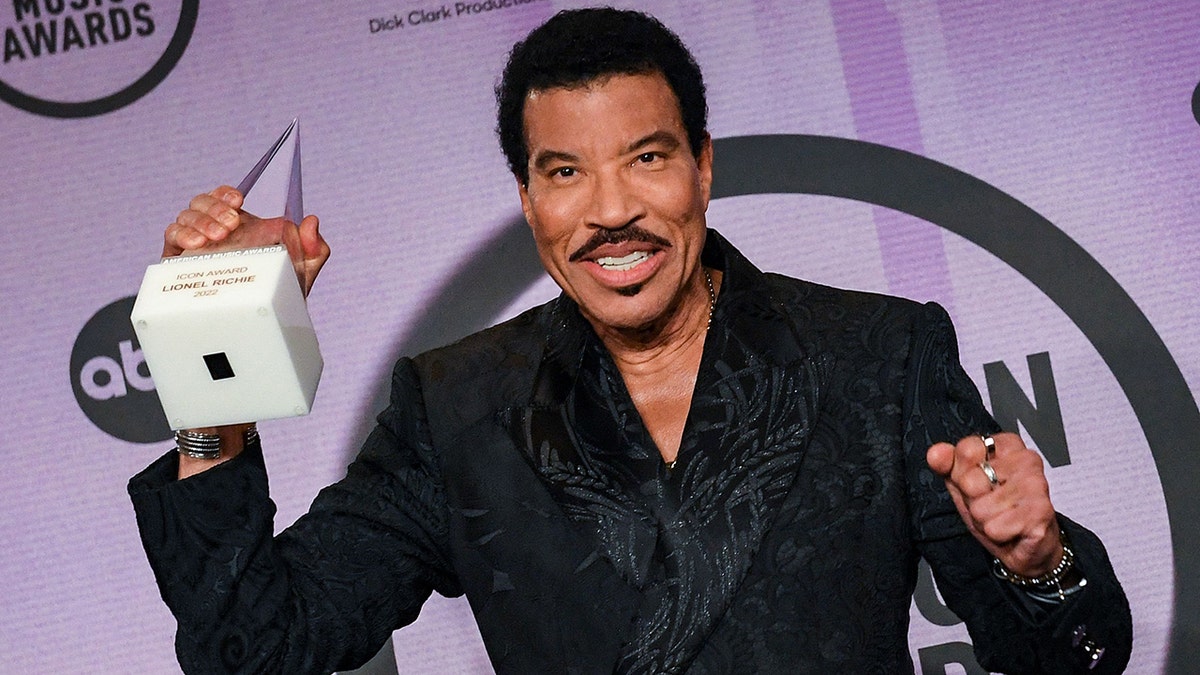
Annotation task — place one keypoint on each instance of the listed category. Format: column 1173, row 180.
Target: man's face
column 616, row 199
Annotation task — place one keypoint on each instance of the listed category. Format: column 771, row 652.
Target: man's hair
column 577, row 47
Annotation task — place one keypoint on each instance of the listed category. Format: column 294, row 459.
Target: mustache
column 605, row 236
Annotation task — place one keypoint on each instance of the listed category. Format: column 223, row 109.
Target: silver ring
column 990, row 473
column 989, row 445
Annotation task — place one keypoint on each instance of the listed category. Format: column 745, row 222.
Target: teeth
column 627, row 262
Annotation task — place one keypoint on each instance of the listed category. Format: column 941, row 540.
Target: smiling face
column 616, row 201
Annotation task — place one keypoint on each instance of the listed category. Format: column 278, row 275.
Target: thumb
column 310, row 237
column 940, row 458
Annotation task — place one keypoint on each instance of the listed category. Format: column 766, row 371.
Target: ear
column 704, row 162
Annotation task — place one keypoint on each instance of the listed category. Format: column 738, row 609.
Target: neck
column 660, row 366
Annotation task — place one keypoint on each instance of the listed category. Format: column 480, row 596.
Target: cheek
column 680, row 198
column 552, row 219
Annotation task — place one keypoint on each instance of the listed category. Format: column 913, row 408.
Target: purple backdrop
column 1082, row 111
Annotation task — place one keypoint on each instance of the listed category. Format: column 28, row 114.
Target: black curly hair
column 576, row 47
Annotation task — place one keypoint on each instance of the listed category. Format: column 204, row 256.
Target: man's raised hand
column 216, row 222
column 1004, row 499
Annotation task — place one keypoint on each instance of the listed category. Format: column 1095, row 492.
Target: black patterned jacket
column 513, row 467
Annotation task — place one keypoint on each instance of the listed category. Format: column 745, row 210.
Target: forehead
column 611, row 108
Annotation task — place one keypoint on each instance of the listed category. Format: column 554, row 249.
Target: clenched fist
column 1003, row 497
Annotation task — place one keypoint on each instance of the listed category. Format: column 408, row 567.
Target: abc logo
column 111, row 381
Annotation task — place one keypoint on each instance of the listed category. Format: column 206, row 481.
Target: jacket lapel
column 574, row 438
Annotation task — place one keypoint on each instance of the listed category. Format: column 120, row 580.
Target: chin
column 630, row 291
column 628, row 313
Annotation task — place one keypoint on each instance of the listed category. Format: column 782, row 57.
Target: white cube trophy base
column 227, row 338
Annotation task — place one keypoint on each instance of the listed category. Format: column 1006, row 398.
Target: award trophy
column 226, row 335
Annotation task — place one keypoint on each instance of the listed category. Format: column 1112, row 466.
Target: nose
column 613, row 202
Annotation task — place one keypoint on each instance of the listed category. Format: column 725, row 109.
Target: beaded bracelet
column 1048, row 586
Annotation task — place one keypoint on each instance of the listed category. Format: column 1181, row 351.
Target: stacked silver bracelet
column 1048, row 587
column 201, row 445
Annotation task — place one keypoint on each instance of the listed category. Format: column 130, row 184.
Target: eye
column 647, row 157
column 562, row 172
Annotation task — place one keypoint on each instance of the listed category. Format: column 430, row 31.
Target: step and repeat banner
column 1032, row 166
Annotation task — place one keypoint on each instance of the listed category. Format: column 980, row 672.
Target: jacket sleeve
column 327, row 592
column 1011, row 632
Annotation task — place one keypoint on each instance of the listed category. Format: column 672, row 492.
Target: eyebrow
column 548, row 157
column 666, row 139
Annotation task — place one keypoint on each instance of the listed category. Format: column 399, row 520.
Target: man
column 681, row 464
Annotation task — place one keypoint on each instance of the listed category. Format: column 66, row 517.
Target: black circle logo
column 1196, row 103
column 71, row 59
column 957, row 202
column 111, row 380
